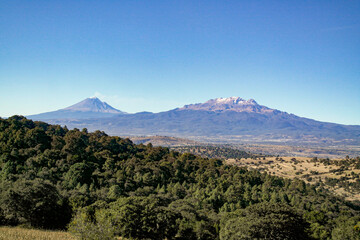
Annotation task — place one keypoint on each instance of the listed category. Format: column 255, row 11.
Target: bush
column 36, row 203
column 93, row 227
column 264, row 221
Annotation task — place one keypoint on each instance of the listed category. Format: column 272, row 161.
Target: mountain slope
column 88, row 108
column 93, row 105
column 227, row 119
column 235, row 104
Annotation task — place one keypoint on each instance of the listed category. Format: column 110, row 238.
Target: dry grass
column 332, row 152
column 17, row 233
column 163, row 141
column 303, row 169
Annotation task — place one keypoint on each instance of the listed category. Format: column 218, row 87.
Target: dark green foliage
column 78, row 174
column 142, row 218
column 264, row 221
column 91, row 223
column 34, row 202
column 111, row 186
column 346, row 228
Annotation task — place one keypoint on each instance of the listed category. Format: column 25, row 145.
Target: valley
column 179, row 120
column 333, row 168
column 305, row 150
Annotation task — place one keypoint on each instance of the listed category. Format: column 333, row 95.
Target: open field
column 338, row 175
column 281, row 149
column 332, row 152
column 17, row 233
column 164, row 141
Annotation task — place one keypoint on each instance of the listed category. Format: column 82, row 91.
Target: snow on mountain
column 225, row 119
column 88, row 108
column 93, row 104
column 236, row 104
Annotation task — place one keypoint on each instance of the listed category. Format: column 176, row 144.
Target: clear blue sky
column 302, row 57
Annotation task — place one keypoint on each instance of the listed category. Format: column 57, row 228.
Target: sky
column 302, row 57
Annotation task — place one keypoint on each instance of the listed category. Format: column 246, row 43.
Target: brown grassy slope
column 17, row 233
column 305, row 169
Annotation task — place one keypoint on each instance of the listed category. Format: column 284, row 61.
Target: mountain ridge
column 222, row 119
column 236, row 104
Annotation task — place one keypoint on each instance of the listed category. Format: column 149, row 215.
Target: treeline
column 216, row 152
column 344, row 163
column 100, row 186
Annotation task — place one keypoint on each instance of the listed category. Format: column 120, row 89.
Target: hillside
column 112, row 187
column 340, row 176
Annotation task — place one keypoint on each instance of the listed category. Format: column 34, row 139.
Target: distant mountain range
column 222, row 119
column 88, row 108
column 235, row 104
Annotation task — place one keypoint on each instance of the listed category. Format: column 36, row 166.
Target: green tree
column 346, row 228
column 264, row 221
column 36, row 203
column 142, row 218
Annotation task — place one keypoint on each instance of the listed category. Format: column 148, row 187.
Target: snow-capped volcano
column 236, row 104
column 88, row 108
column 93, row 104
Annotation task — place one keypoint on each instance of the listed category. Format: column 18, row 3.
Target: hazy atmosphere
column 298, row 56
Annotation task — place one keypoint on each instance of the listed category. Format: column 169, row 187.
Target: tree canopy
column 100, row 185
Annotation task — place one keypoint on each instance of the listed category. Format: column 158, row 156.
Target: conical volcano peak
column 236, row 104
column 93, row 104
column 88, row 108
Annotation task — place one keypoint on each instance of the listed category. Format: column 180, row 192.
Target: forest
column 101, row 187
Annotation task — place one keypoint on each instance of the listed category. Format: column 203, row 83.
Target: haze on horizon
column 299, row 57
